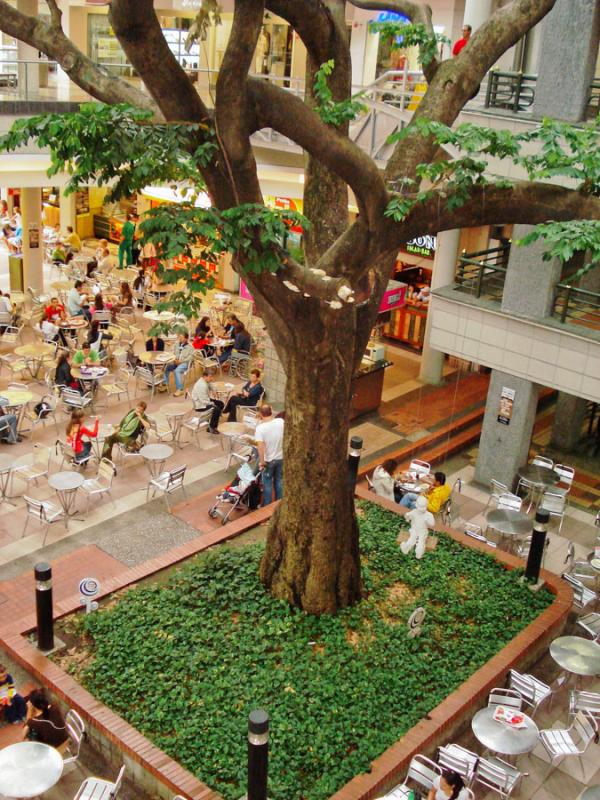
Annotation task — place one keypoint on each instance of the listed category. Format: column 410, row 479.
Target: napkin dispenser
column 375, row 352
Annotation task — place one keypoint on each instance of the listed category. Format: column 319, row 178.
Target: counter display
column 366, row 387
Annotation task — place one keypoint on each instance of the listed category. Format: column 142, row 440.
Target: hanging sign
column 34, row 236
column 507, row 398
column 424, row 246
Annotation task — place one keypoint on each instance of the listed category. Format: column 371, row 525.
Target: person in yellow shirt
column 72, row 240
column 436, row 495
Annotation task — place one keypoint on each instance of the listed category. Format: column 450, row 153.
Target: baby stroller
column 243, row 493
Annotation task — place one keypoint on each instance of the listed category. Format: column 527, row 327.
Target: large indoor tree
column 319, row 313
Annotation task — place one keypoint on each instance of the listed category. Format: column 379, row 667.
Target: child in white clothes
column 421, row 521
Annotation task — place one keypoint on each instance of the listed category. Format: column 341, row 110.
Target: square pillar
column 568, row 54
column 503, row 448
column 568, row 421
column 530, row 281
column 68, row 210
column 29, row 74
column 33, row 247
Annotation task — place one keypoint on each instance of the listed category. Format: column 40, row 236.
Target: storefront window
column 103, row 45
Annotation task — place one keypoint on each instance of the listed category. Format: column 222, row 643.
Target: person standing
column 462, row 42
column 269, row 443
column 126, row 243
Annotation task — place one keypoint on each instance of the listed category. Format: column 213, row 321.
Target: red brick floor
column 17, row 595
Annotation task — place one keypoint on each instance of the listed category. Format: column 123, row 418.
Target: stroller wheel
column 212, row 513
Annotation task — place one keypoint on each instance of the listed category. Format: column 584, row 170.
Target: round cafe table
column 591, row 793
column 155, row 358
column 155, row 456
column 159, row 316
column 73, row 323
column 509, row 522
column 66, row 484
column 16, row 397
column 62, row 286
column 540, row 478
column 577, row 655
column 499, row 737
column 175, row 412
column 28, row 769
column 7, row 464
column 35, row 355
column 221, row 390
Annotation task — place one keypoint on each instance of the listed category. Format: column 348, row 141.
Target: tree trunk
column 312, row 555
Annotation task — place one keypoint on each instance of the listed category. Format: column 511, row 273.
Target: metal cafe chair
column 505, row 697
column 498, row 775
column 421, row 773
column 458, row 759
column 99, row 789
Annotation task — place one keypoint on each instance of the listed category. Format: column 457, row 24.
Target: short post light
column 43, row 606
column 356, row 444
column 258, row 754
column 538, row 546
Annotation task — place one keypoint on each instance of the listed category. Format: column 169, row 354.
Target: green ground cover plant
column 186, row 660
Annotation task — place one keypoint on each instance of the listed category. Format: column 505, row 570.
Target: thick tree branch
column 233, row 123
column 312, row 21
column 89, row 76
column 418, row 13
column 55, row 13
column 312, row 282
column 138, row 30
column 529, row 203
column 275, row 108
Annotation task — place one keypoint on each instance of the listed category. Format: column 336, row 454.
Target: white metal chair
column 582, row 596
column 160, row 429
column 44, row 512
column 72, row 399
column 510, row 698
column 197, row 422
column 240, row 450
column 102, row 317
column 510, row 501
column 76, row 731
column 68, row 456
column 419, row 468
column 458, row 759
column 475, row 532
column 498, row 775
column 588, row 702
column 542, row 461
column 102, row 483
column 151, row 380
column 532, row 690
column 421, row 773
column 590, row 624
column 554, row 504
column 46, row 412
column 168, row 482
column 118, row 386
column 567, row 476
column 497, row 489
column 449, row 512
column 99, row 789
column 571, row 741
column 39, row 467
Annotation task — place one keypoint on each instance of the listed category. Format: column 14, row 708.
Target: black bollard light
column 43, row 606
column 356, row 444
column 258, row 754
column 538, row 545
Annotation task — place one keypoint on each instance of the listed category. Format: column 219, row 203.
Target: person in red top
column 75, row 433
column 55, row 311
column 466, row 35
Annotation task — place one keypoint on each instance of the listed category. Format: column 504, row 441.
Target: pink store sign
column 393, row 297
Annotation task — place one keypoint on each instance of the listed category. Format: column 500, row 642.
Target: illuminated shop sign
column 421, row 246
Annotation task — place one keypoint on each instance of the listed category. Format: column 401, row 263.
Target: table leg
column 155, row 466
column 4, row 481
column 67, row 500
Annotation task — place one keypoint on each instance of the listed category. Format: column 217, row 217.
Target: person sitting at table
column 249, row 396
column 12, row 704
column 106, row 263
column 203, row 401
column 202, row 336
column 58, row 254
column 97, row 338
column 141, row 281
column 8, row 425
column 100, row 248
column 241, row 343
column 130, row 428
column 86, row 356
column 384, row 483
column 6, row 303
column 50, row 331
column 155, row 344
column 44, row 722
column 72, row 240
column 125, row 299
column 76, row 302
column 99, row 302
column 184, row 355
column 448, row 786
column 63, row 375
column 75, row 433
column 55, row 311
column 437, row 494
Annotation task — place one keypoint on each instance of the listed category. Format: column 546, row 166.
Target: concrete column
column 530, row 281
column 567, row 63
column 68, row 211
column 528, row 291
column 29, row 74
column 504, row 448
column 568, row 421
column 477, row 12
column 33, row 256
column 444, row 266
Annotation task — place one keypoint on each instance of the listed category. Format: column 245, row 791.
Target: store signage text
column 422, row 246
column 391, row 16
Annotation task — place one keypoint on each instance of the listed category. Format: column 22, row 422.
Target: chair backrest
column 542, row 461
column 370, row 484
column 420, row 468
column 566, row 474
column 102, row 316
column 124, row 374
column 106, row 470
column 570, row 556
column 510, row 501
column 423, row 771
column 523, row 685
column 144, row 374
column 474, row 531
column 583, row 729
column 586, row 701
column 176, row 477
column 118, row 782
column 35, row 508
column 553, row 503
column 493, row 776
column 75, row 728
column 450, row 759
column 581, row 594
column 510, row 698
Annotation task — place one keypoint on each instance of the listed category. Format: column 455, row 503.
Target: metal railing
column 483, row 273
column 577, row 306
column 514, row 91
